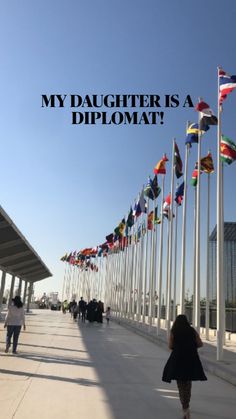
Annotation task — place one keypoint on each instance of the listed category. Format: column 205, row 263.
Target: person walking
column 108, row 314
column 184, row 364
column 14, row 320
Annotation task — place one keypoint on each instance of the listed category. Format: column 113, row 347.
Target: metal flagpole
column 198, row 234
column 207, row 258
column 160, row 261
column 183, row 245
column 151, row 274
column 194, row 259
column 169, row 270
column 175, row 262
column 220, row 245
column 145, row 267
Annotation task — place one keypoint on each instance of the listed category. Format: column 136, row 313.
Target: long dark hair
column 180, row 325
column 17, row 301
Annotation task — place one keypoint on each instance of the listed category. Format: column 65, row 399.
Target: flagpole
column 207, row 258
column 169, row 271
column 151, row 281
column 160, row 261
column 198, row 233
column 145, row 267
column 175, row 262
column 220, row 245
column 183, row 244
column 194, row 259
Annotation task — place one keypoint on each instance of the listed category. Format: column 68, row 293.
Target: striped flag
column 227, row 150
column 160, row 168
column 227, row 85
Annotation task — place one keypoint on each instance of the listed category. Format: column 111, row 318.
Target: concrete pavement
column 96, row 371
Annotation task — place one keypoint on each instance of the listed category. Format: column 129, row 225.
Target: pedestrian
column 14, row 320
column 108, row 314
column 184, row 364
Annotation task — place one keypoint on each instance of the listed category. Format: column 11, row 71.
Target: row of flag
column 122, row 235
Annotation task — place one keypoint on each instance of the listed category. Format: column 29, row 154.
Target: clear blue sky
column 66, row 187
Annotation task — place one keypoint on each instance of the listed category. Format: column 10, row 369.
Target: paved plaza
column 97, row 371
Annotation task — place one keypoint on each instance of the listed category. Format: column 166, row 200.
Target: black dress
column 184, row 363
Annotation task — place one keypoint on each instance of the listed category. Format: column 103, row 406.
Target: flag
column 109, row 238
column 192, row 133
column 119, row 230
column 148, row 189
column 227, row 85
column 206, row 115
column 140, row 205
column 150, row 221
column 64, row 258
column 179, row 193
column 122, row 227
column 166, row 206
column 157, row 220
column 152, row 190
column 156, row 190
column 227, row 150
column 160, row 168
column 194, row 176
column 207, row 164
column 130, row 218
column 178, row 162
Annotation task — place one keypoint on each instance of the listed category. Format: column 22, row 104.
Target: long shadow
column 55, row 359
column 51, row 327
column 125, row 378
column 49, row 347
column 54, row 334
column 80, row 381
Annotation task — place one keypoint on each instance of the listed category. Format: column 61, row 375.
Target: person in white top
column 14, row 320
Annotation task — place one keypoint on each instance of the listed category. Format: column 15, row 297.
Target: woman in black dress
column 184, row 364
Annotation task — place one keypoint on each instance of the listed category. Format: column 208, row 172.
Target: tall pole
column 183, row 244
column 145, row 267
column 169, row 269
column 207, row 258
column 194, row 259
column 220, row 245
column 160, row 261
column 198, row 259
column 175, row 261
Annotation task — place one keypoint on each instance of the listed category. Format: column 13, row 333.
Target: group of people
column 183, row 365
column 92, row 311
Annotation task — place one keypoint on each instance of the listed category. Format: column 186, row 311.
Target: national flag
column 109, row 238
column 130, row 218
column 179, row 193
column 177, row 162
column 227, row 150
column 227, row 85
column 64, row 258
column 207, row 164
column 140, row 205
column 194, row 176
column 156, row 190
column 148, row 189
column 157, row 220
column 192, row 133
column 206, row 115
column 150, row 221
column 152, row 190
column 166, row 206
column 160, row 168
column 122, row 227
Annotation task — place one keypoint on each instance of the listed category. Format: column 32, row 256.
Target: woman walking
column 184, row 364
column 15, row 319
